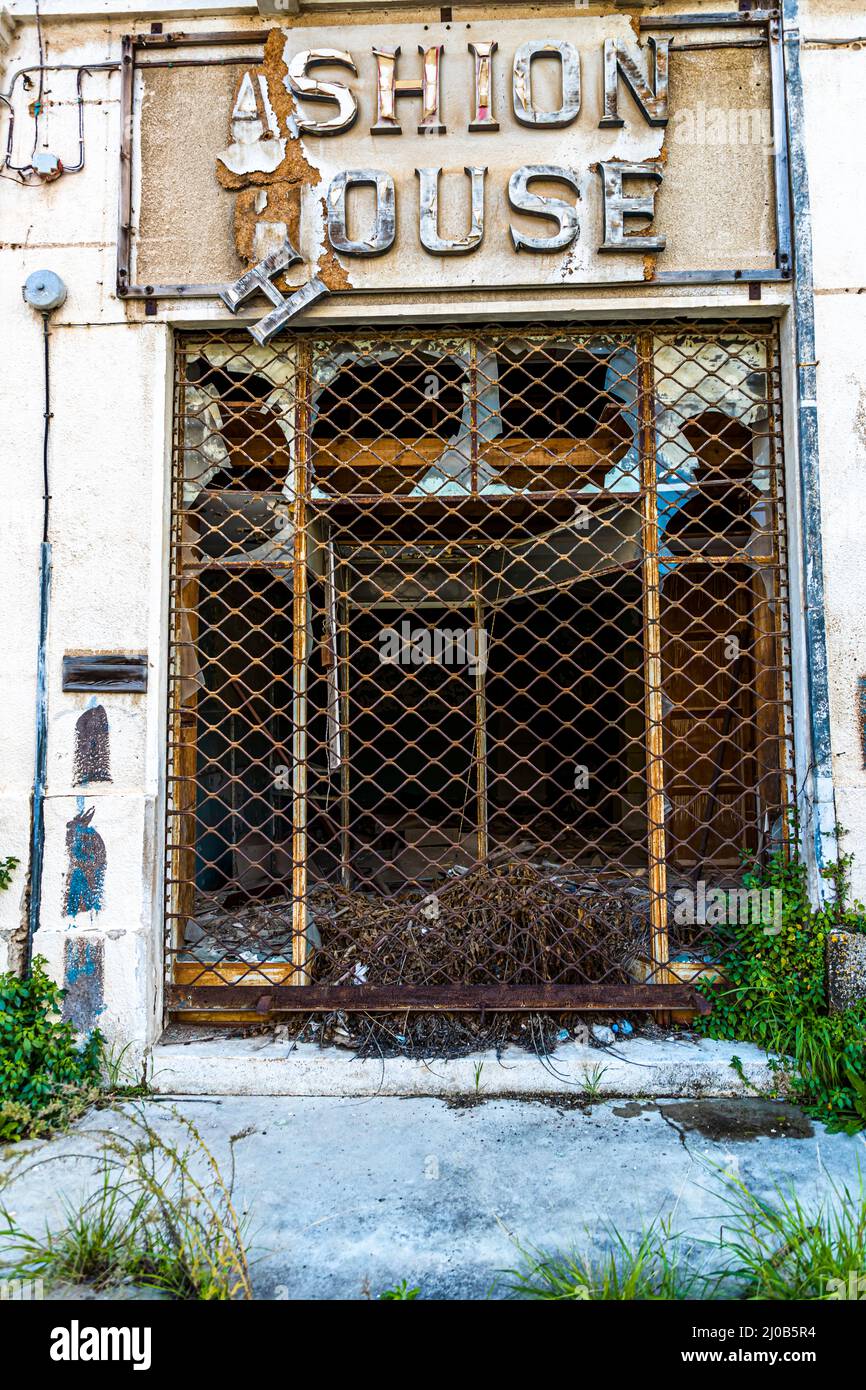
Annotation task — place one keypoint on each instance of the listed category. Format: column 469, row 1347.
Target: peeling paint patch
column 85, row 872
column 268, row 207
column 266, row 106
column 275, row 210
column 84, row 982
column 271, row 76
column 256, row 147
column 331, row 269
column 92, row 760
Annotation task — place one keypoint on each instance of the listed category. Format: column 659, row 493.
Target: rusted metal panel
column 383, row 231
column 483, row 117
column 428, row 218
column 474, row 999
column 653, row 688
column 649, row 89
column 695, row 240
column 525, row 109
column 105, row 671
column 389, row 88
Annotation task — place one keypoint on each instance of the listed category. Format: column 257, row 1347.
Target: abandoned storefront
column 479, row 634
column 469, row 434
column 473, row 665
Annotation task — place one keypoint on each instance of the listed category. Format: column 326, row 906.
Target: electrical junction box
column 44, row 291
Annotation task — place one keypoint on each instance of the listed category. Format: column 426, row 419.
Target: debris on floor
column 437, row 1036
column 510, row 922
column 506, row 921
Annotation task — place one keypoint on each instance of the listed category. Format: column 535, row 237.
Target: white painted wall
column 834, row 75
column 107, row 467
column 109, row 451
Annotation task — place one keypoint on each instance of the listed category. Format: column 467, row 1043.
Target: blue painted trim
column 820, row 779
column 861, row 714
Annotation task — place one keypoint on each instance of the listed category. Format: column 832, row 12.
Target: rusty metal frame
column 766, row 20
column 131, row 46
column 267, row 989
column 287, row 999
column 652, row 662
column 300, row 655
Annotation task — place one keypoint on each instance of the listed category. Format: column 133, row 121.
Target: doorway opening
column 479, row 657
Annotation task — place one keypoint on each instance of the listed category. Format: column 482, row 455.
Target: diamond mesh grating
column 478, row 660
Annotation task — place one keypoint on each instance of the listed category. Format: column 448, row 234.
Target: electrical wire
column 46, row 495
column 37, row 815
column 41, row 92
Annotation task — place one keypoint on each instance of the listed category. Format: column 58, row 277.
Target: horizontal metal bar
column 749, row 19
column 715, row 277
column 436, row 998
column 715, row 45
column 664, row 277
column 209, row 291
column 237, row 60
column 196, row 40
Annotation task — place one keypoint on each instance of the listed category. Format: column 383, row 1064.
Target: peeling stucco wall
column 107, row 482
column 183, row 113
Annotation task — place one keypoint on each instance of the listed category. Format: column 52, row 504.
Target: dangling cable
column 37, row 815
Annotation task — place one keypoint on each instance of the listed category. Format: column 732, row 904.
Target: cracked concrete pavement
column 347, row 1196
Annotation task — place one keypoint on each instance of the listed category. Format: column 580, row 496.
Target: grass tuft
column 400, row 1293
column 784, row 1250
column 648, row 1269
column 163, row 1218
column 779, row 1250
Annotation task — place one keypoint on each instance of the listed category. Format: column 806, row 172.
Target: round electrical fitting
column 47, row 166
column 43, row 290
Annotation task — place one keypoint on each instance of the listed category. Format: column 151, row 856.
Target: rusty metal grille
column 478, row 664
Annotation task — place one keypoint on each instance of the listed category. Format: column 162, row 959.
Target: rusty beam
column 482, row 831
column 344, row 676
column 300, row 658
column 124, row 211
column 437, row 998
column 653, row 694
column 207, row 39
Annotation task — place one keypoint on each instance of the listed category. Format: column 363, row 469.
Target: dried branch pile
column 506, row 923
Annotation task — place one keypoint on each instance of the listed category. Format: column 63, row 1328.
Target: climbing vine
column 774, row 991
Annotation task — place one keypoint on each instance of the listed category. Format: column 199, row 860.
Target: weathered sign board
column 402, row 158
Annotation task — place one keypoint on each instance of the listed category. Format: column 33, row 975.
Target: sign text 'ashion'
column 646, row 76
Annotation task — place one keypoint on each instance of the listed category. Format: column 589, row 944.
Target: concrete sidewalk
column 681, row 1064
column 349, row 1196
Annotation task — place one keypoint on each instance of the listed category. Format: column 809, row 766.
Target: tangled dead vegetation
column 438, row 1036
column 507, row 923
